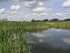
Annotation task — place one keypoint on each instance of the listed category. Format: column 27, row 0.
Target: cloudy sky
column 25, row 10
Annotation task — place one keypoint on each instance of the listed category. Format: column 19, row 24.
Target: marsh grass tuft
column 12, row 42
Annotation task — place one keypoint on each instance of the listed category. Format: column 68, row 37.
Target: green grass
column 60, row 25
column 13, row 34
column 32, row 26
column 23, row 26
column 11, row 42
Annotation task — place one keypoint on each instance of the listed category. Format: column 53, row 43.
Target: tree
column 67, row 19
column 55, row 19
column 32, row 20
column 45, row 20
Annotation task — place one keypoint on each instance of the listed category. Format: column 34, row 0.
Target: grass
column 13, row 34
column 60, row 25
column 23, row 26
column 12, row 42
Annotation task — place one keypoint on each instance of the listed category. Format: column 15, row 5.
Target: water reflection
column 66, row 40
column 50, row 41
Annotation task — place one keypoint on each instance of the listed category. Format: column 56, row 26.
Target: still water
column 50, row 41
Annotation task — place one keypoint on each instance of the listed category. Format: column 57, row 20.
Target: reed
column 13, row 34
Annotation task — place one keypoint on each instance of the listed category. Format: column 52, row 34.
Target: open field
column 13, row 36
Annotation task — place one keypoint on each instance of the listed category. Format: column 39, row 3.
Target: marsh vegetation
column 13, row 34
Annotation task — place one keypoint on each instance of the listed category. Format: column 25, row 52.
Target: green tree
column 45, row 20
column 32, row 20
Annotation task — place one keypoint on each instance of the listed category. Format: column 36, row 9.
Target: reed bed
column 13, row 34
column 59, row 25
column 12, row 42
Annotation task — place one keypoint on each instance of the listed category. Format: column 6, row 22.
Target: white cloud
column 31, row 3
column 40, row 9
column 40, row 14
column 36, row 14
column 59, row 14
column 7, row 11
column 41, row 4
column 2, row 10
column 15, row 7
column 66, row 3
column 16, row 17
column 68, row 10
column 44, row 13
column 14, row 12
column 23, row 0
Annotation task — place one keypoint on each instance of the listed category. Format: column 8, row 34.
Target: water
column 50, row 41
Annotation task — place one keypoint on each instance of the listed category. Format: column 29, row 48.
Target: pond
column 50, row 41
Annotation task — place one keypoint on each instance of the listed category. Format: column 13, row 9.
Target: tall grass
column 61, row 25
column 23, row 26
column 12, row 42
column 13, row 34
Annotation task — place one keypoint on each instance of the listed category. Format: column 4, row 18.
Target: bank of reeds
column 11, row 42
column 13, row 34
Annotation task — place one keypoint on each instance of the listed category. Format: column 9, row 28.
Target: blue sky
column 25, row 10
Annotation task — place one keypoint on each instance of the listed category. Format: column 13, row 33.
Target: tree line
column 53, row 20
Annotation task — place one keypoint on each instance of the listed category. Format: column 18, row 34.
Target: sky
column 26, row 10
